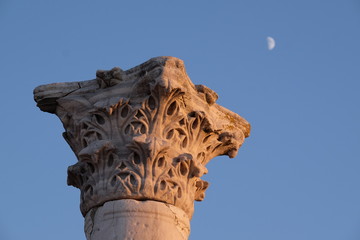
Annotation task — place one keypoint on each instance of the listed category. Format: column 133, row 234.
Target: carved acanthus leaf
column 144, row 133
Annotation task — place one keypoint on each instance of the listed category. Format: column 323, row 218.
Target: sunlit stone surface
column 142, row 138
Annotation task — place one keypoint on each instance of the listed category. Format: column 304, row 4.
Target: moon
column 270, row 43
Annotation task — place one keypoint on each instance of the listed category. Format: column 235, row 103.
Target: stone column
column 142, row 138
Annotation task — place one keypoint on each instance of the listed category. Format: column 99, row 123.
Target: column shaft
column 136, row 220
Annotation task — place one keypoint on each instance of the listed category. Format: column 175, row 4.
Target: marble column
column 142, row 138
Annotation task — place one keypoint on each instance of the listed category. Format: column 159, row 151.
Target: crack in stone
column 92, row 217
column 177, row 222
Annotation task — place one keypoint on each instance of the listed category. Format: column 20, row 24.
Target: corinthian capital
column 145, row 134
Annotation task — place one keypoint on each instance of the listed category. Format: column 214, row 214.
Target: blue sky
column 296, row 177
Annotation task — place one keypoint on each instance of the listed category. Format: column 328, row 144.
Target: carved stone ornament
column 145, row 134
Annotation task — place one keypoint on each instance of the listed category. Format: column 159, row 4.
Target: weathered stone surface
column 137, row 220
column 145, row 134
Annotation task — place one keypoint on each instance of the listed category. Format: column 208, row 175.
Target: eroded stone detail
column 144, row 133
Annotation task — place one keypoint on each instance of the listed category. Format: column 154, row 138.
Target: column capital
column 145, row 134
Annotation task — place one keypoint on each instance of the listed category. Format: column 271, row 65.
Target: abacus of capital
column 142, row 138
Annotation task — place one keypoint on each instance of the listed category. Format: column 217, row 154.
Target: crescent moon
column 270, row 43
